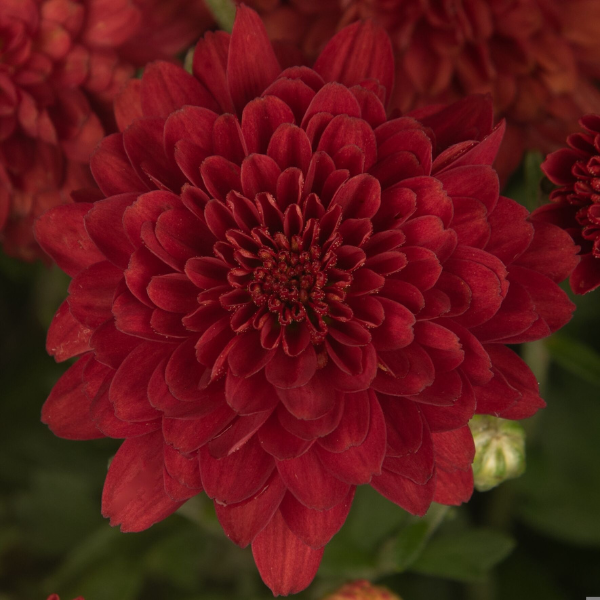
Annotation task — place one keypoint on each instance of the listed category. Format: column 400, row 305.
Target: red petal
column 511, row 234
column 148, row 207
column 290, row 147
column 111, row 347
column 552, row 252
column 260, row 120
column 475, row 114
column 551, row 303
column 220, row 176
column 412, row 497
column 238, row 476
column 61, row 234
column 210, row 64
column 359, row 197
column 360, row 51
column 103, row 413
column 112, row 169
column 314, row 428
column 453, row 488
column 248, row 395
column 315, row 527
column 134, row 495
column 251, row 64
column 242, row 522
column 91, row 293
column 558, row 166
column 404, row 425
column 166, row 88
column 286, row 372
column 311, row 483
column 67, row 409
column 188, row 434
column 104, row 224
column 445, row 418
column 66, row 336
column 259, row 174
column 175, row 490
column 586, row 275
column 143, row 142
column 284, row 562
column 248, row 356
column 354, row 425
column 128, row 391
column 280, row 443
column 349, row 131
column 173, row 292
column 358, row 464
column 417, row 466
column 128, row 104
column 519, row 376
column 311, row 400
column 397, row 329
column 454, row 449
column 406, row 372
column 237, row 434
column 183, row 468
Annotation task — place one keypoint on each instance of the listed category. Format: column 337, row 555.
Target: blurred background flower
column 61, row 64
column 538, row 58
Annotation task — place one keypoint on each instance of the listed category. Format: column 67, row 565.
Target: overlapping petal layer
column 62, row 63
column 285, row 295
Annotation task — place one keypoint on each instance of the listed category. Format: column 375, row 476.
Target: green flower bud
column 500, row 451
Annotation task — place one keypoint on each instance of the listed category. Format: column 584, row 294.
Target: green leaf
column 372, row 520
column 409, row 544
column 411, row 541
column 579, row 359
column 466, row 556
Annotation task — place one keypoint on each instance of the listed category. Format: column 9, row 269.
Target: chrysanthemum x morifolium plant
column 362, row 590
column 499, row 451
column 285, row 294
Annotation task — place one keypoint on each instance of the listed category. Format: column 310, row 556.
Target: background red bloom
column 61, row 64
column 538, row 58
column 285, row 295
column 575, row 203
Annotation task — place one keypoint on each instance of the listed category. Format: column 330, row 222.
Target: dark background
column 531, row 538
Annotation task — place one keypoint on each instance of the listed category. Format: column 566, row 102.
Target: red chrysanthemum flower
column 285, row 295
column 56, row 597
column 576, row 203
column 61, row 64
column 536, row 57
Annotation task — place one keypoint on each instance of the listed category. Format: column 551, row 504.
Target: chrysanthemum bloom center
column 292, row 275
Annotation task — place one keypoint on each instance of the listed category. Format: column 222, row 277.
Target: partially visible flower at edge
column 575, row 204
column 57, row 597
column 285, row 295
column 61, row 64
column 362, row 590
